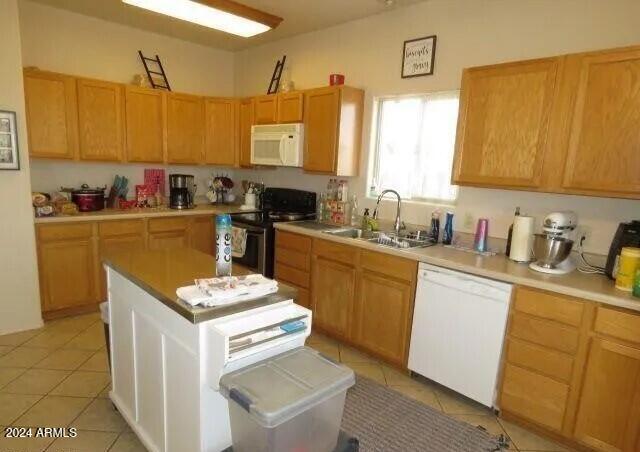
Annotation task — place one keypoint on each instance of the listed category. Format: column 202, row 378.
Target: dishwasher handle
column 466, row 284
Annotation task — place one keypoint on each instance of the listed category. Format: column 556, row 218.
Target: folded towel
column 227, row 290
column 238, row 241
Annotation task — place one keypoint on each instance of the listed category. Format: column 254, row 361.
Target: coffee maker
column 552, row 248
column 182, row 190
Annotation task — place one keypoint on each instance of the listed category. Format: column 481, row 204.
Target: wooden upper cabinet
column 603, row 143
column 290, row 107
column 245, row 121
column 145, row 125
column 185, row 128
column 266, row 109
column 52, row 115
column 221, row 131
column 333, row 130
column 503, row 123
column 100, row 120
column 609, row 413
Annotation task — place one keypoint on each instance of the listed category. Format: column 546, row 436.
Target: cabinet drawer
column 548, row 362
column 534, row 397
column 395, row 267
column 125, row 227
column 293, row 241
column 292, row 275
column 544, row 332
column 293, row 258
column 168, row 224
column 65, row 231
column 336, row 251
column 549, row 306
column 618, row 324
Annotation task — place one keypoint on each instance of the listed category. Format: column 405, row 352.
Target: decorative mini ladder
column 161, row 72
column 275, row 78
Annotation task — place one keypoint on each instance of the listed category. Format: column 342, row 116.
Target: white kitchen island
column 167, row 357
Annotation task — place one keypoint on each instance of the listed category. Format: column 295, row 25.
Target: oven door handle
column 250, row 229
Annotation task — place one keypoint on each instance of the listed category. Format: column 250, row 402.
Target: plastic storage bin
column 290, row 402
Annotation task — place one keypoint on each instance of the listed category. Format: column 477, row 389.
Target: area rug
column 384, row 420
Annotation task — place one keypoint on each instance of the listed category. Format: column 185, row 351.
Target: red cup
column 336, row 79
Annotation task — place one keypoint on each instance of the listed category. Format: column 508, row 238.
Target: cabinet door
column 383, row 316
column 333, row 295
column 145, row 120
column 322, row 113
column 609, row 413
column 52, row 115
column 266, row 109
column 290, row 107
column 604, row 146
column 503, row 123
column 185, row 128
column 245, row 121
column 220, row 147
column 100, row 120
column 202, row 234
column 67, row 273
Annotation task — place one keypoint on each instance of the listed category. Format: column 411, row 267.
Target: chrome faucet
column 397, row 224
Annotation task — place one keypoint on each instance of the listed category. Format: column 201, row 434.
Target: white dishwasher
column 459, row 323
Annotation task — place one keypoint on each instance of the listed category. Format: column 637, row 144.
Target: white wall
column 470, row 33
column 61, row 41
column 19, row 296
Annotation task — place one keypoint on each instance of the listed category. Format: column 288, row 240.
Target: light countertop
column 161, row 272
column 152, row 212
column 597, row 288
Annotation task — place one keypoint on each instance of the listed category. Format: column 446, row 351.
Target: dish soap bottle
column 366, row 224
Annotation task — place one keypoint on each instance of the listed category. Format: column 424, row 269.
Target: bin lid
column 276, row 389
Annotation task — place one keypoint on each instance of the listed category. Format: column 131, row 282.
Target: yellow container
column 627, row 266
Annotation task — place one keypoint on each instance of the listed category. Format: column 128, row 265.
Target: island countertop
column 161, row 272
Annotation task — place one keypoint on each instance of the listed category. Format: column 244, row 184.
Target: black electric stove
column 277, row 204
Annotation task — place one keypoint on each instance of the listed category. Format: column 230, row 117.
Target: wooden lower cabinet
column 67, row 261
column 70, row 255
column 383, row 315
column 202, row 234
column 609, row 413
column 334, row 285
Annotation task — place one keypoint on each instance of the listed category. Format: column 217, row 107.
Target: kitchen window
column 414, row 144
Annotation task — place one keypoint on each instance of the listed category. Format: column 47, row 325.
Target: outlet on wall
column 468, row 221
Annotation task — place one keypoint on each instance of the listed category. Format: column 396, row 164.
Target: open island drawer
column 239, row 340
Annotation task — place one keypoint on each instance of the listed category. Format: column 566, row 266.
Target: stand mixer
column 552, row 248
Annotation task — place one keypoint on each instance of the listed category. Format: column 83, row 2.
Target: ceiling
column 300, row 16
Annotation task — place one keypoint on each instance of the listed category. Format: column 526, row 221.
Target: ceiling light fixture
column 224, row 15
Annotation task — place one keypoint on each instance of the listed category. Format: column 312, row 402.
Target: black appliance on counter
column 276, row 204
column 181, row 191
column 628, row 234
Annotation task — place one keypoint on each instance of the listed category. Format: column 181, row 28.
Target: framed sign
column 418, row 57
column 8, row 141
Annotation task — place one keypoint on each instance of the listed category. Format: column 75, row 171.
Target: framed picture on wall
column 8, row 141
column 418, row 57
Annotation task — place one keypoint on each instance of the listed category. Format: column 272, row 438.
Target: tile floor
column 58, row 376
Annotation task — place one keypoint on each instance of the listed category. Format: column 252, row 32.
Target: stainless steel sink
column 393, row 241
column 353, row 233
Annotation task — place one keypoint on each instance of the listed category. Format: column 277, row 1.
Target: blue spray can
column 223, row 245
column 447, row 233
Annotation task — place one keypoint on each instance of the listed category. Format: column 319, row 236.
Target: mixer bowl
column 550, row 250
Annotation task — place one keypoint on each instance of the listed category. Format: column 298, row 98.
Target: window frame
column 374, row 160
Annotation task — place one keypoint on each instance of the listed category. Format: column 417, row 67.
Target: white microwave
column 277, row 144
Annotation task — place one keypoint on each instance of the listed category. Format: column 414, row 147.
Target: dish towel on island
column 227, row 290
column 238, row 241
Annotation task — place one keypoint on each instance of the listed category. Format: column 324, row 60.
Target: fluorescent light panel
column 204, row 15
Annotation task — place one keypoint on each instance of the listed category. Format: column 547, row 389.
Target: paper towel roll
column 522, row 239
